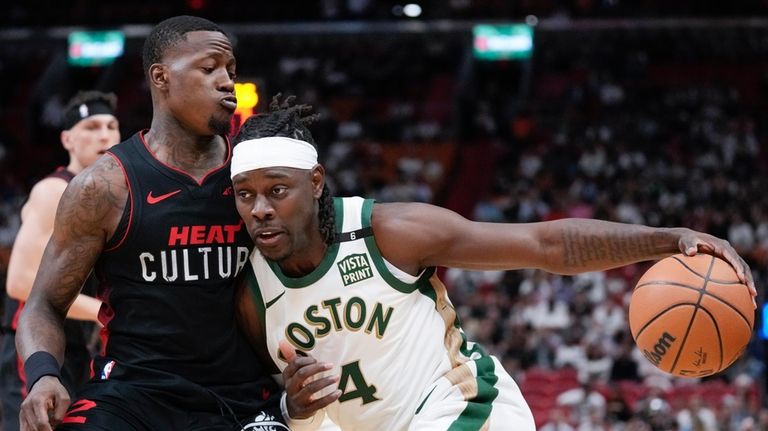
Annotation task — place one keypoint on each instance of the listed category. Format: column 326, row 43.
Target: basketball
column 691, row 316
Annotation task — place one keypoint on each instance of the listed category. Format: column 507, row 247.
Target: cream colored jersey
column 391, row 336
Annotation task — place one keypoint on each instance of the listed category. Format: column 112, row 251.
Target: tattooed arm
column 414, row 236
column 88, row 213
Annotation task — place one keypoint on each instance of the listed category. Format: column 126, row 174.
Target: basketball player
column 351, row 284
column 90, row 128
column 156, row 221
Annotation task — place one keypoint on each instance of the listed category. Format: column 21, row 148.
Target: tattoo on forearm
column 582, row 247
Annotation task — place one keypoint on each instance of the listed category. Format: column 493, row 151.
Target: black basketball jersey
column 167, row 281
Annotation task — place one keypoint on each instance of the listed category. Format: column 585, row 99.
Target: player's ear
column 66, row 139
column 318, row 180
column 158, row 76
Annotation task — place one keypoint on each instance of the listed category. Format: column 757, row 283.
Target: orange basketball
column 691, row 316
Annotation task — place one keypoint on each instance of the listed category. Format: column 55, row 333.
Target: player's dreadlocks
column 291, row 121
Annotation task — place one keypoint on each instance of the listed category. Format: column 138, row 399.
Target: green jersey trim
column 325, row 264
column 422, row 283
column 478, row 409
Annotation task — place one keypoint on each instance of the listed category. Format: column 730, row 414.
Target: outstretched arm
column 88, row 213
column 414, row 236
column 37, row 218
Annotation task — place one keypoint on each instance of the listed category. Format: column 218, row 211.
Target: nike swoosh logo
column 270, row 303
column 155, row 199
column 425, row 400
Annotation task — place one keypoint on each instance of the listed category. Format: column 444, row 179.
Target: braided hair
column 290, row 120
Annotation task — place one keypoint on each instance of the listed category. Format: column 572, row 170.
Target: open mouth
column 267, row 237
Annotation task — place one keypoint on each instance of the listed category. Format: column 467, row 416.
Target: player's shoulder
column 47, row 186
column 103, row 181
column 45, row 195
column 102, row 171
column 401, row 222
column 396, row 214
column 408, row 223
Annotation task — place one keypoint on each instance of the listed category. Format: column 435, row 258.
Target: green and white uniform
column 403, row 360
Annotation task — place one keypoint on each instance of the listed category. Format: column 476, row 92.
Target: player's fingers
column 312, row 369
column 739, row 265
column 297, row 384
column 287, row 350
column 61, row 404
column 25, row 423
column 742, row 270
column 323, row 402
column 689, row 245
column 40, row 420
column 296, row 363
column 749, row 280
column 751, row 283
column 312, row 388
column 295, row 380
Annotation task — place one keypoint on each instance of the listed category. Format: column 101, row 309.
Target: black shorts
column 111, row 405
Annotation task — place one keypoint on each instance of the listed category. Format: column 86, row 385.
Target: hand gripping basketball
column 691, row 316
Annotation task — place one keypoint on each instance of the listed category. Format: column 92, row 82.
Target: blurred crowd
column 662, row 127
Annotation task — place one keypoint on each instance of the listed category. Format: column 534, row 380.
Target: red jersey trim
column 130, row 202
column 19, row 363
column 15, row 320
column 106, row 314
column 22, row 376
column 185, row 173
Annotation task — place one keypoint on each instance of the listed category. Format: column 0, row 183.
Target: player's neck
column 75, row 167
column 186, row 150
column 303, row 262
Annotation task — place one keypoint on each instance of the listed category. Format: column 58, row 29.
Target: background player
column 90, row 128
column 157, row 221
column 353, row 284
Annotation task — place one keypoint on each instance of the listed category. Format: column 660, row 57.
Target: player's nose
column 262, row 209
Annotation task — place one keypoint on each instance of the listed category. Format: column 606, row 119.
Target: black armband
column 40, row 364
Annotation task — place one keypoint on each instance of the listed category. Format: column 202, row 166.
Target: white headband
column 272, row 152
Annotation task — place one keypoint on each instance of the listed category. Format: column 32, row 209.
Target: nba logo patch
column 107, row 370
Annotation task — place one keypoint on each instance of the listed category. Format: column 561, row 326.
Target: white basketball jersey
column 390, row 335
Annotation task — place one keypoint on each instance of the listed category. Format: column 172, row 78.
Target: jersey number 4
column 360, row 388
